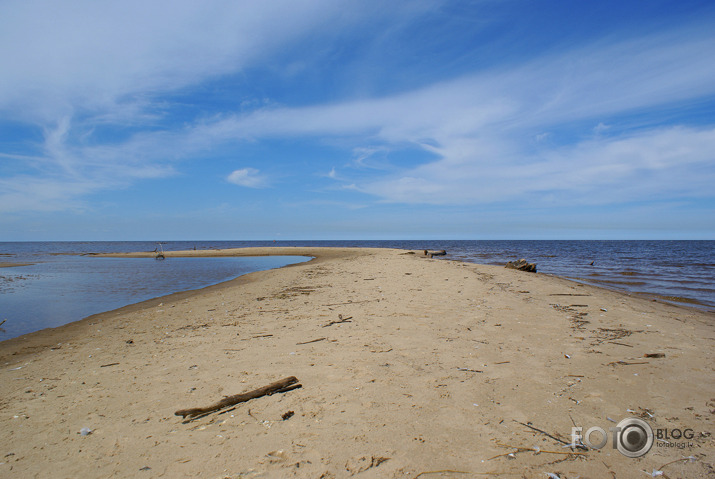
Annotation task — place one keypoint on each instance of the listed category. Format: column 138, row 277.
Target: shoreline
column 316, row 254
column 70, row 329
column 678, row 301
column 436, row 364
column 651, row 284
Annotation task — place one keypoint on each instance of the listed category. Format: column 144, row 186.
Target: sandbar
column 409, row 366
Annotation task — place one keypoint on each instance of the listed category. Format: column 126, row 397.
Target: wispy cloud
column 79, row 73
column 648, row 166
column 93, row 57
column 481, row 128
column 590, row 82
column 64, row 173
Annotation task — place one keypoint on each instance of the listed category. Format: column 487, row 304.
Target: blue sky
column 328, row 119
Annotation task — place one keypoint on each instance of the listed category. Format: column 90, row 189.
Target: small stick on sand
column 352, row 302
column 312, row 341
column 470, row 370
column 340, row 320
column 534, row 450
column 542, row 432
column 626, row 363
column 281, row 386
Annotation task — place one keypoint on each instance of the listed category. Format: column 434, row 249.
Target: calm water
column 64, row 286
column 61, row 288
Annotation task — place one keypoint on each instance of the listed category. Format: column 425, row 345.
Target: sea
column 64, row 283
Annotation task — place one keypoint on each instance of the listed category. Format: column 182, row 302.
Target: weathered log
column 281, row 386
column 522, row 265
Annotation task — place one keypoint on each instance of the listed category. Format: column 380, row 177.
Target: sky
column 331, row 119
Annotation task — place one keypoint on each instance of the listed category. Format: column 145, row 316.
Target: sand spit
column 11, row 265
column 408, row 366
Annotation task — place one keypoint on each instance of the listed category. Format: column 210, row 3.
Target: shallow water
column 64, row 286
column 681, row 272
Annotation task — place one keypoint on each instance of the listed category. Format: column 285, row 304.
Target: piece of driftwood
column 522, row 265
column 284, row 385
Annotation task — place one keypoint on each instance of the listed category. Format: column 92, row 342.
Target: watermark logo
column 632, row 437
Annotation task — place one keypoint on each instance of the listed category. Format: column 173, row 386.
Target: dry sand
column 439, row 364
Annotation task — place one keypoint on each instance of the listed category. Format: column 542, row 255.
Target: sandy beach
column 410, row 367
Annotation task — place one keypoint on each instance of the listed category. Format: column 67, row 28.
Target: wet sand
column 408, row 365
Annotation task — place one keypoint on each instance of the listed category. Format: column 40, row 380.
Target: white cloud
column 482, row 128
column 248, row 177
column 650, row 166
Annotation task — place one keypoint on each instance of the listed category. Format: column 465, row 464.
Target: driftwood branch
column 281, row 386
